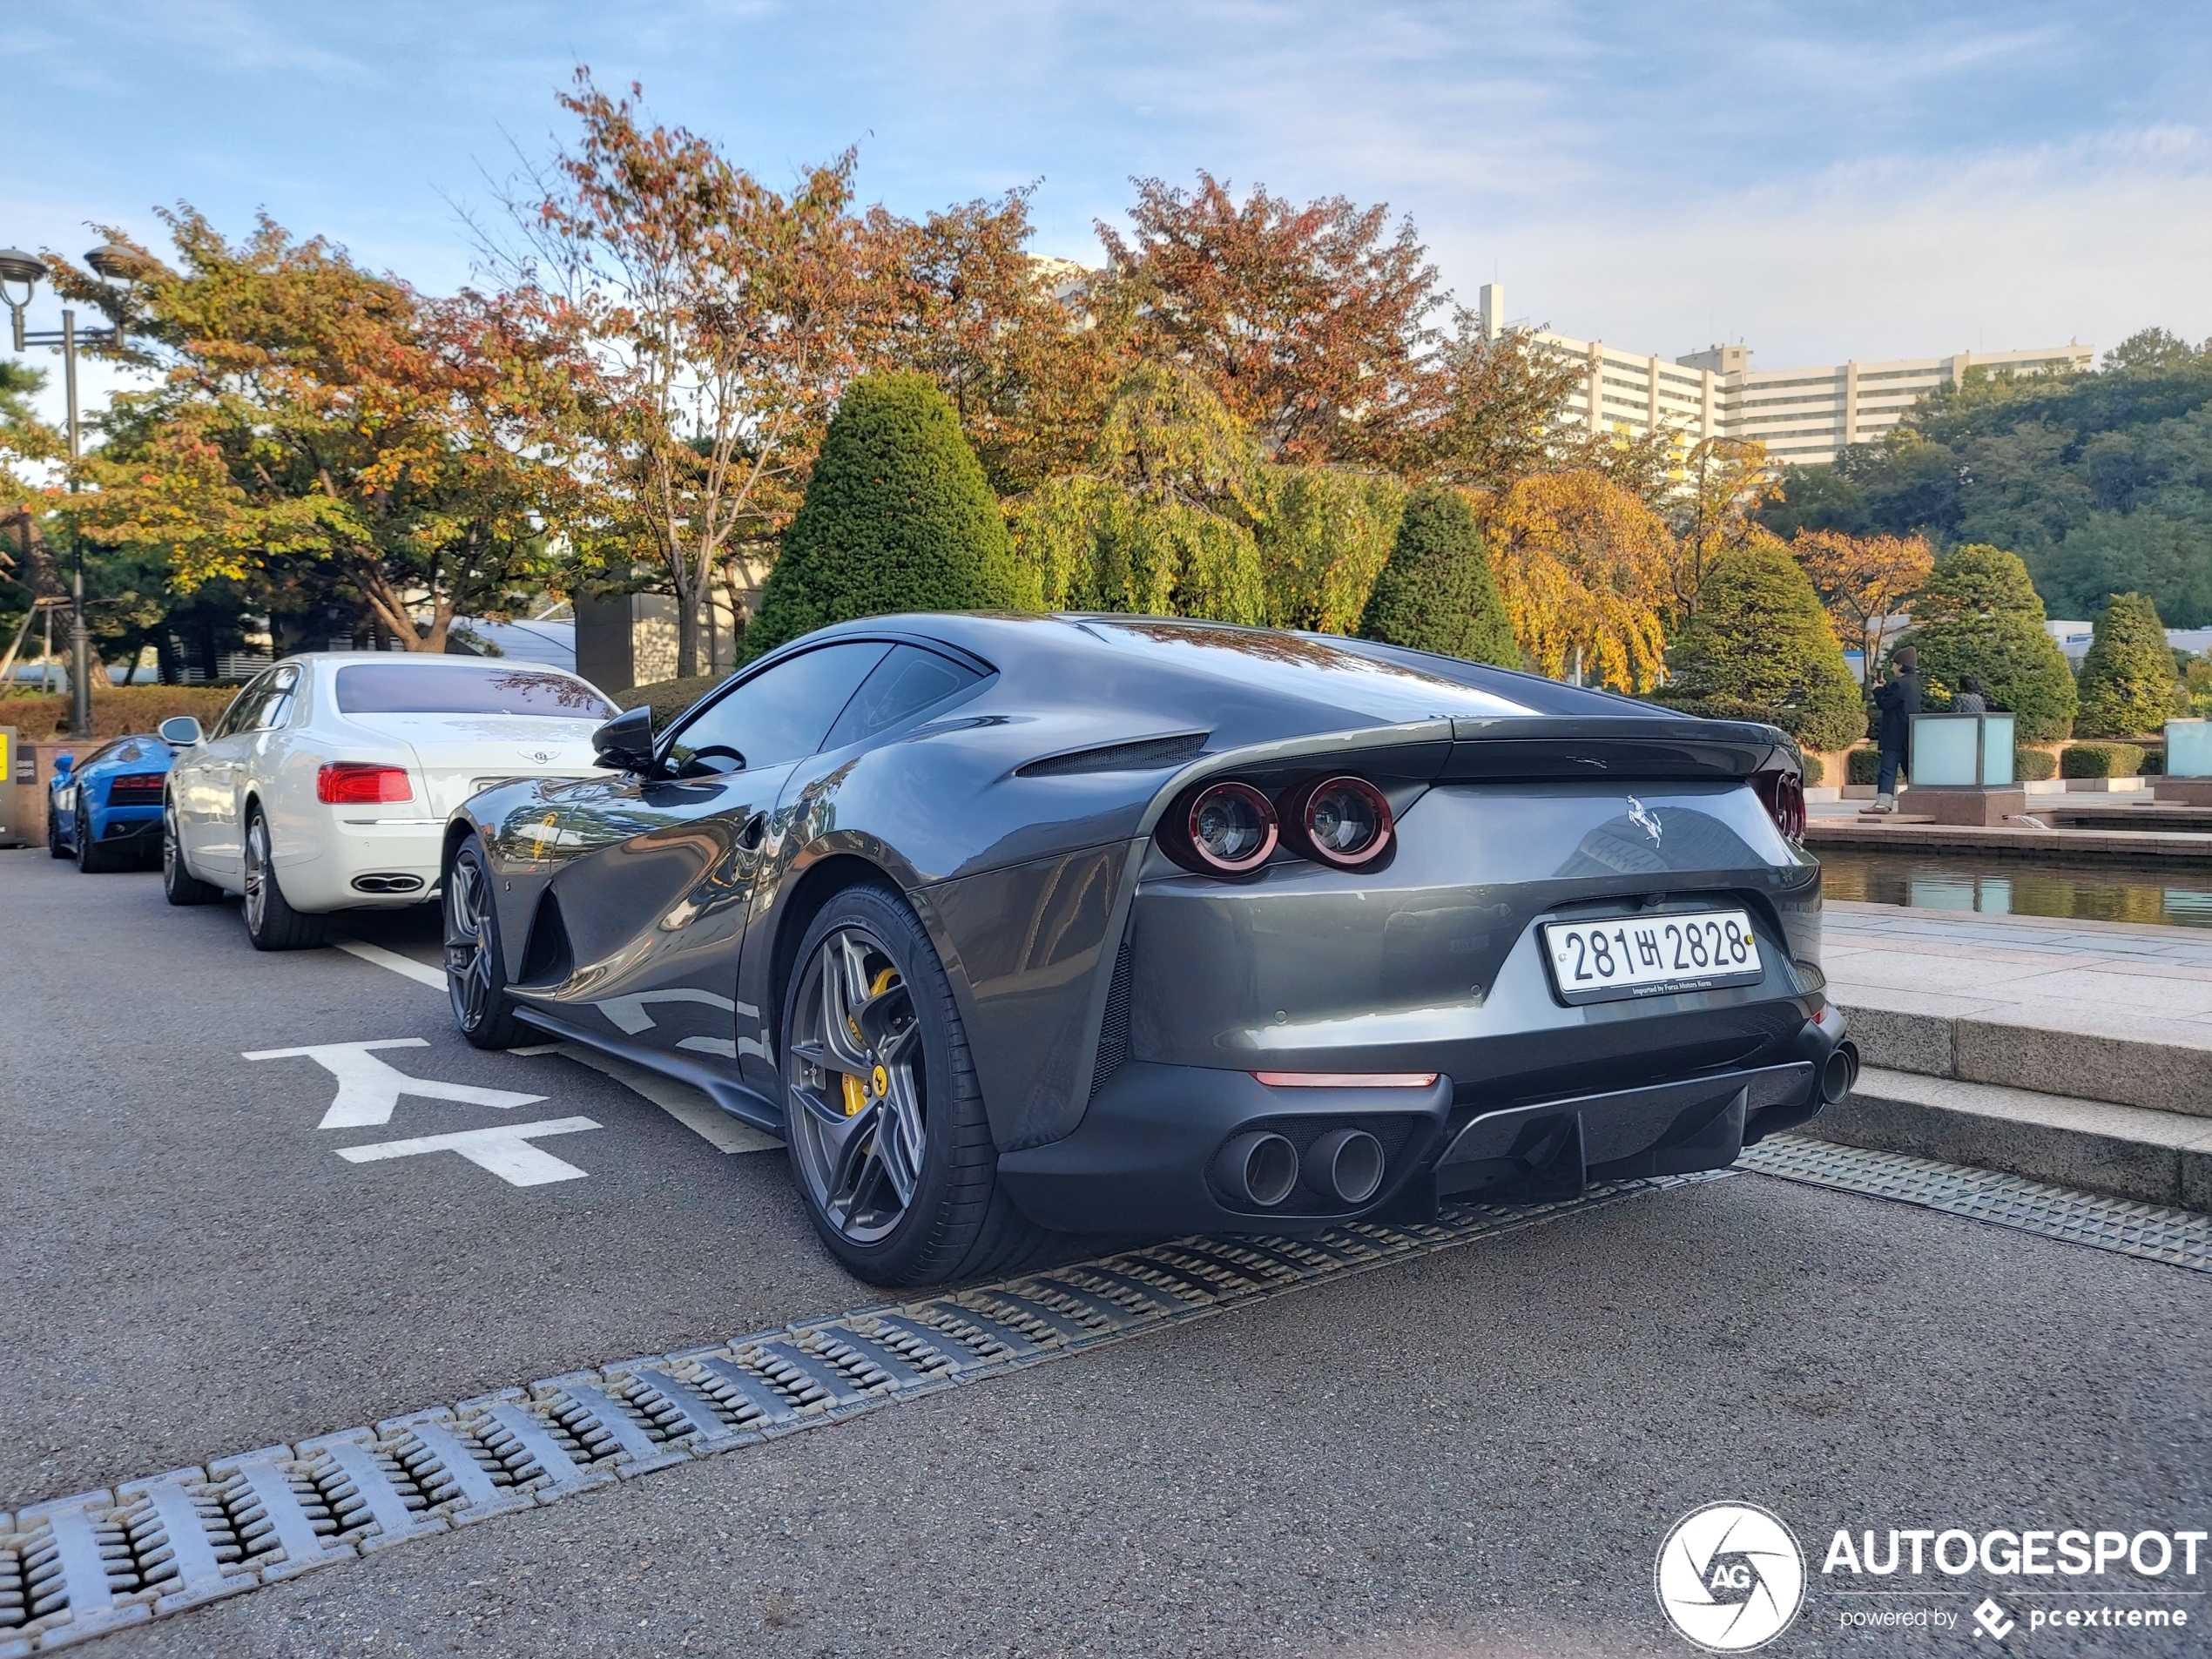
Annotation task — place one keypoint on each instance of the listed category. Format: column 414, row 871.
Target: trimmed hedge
column 117, row 711
column 1865, row 766
column 2034, row 765
column 897, row 518
column 1979, row 615
column 1436, row 592
column 2129, row 678
column 1760, row 638
column 667, row 699
column 2102, row 760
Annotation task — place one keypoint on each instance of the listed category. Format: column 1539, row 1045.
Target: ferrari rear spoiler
column 1556, row 746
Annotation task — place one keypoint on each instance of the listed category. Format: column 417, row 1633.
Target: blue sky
column 1818, row 180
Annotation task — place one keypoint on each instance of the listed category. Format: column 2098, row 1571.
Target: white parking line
column 688, row 1106
column 420, row 974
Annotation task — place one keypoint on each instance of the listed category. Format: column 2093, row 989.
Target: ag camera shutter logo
column 1730, row 1577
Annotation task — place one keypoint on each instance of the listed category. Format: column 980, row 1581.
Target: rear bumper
column 386, row 853
column 1146, row 1159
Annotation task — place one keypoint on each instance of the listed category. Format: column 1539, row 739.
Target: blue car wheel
column 92, row 858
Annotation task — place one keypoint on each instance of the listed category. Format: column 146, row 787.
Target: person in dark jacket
column 1895, row 703
column 1971, row 699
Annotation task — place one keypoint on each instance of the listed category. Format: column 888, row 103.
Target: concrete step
column 2127, row 1151
column 2086, row 1053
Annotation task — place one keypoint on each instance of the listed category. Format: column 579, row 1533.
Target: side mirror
column 62, row 764
column 180, row 732
column 626, row 742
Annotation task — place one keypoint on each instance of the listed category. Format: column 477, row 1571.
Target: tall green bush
column 1760, row 638
column 897, row 517
column 1437, row 592
column 2128, row 680
column 1980, row 614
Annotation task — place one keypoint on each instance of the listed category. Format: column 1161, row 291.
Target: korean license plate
column 1651, row 955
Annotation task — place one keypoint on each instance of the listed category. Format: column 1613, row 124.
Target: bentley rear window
column 406, row 688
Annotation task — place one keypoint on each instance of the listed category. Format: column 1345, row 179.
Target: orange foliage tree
column 1583, row 567
column 1862, row 579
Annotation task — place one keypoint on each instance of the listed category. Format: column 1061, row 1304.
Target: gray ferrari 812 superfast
column 1017, row 927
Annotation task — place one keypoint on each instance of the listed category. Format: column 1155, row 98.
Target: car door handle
column 754, row 833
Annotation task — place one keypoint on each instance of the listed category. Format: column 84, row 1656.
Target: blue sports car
column 105, row 810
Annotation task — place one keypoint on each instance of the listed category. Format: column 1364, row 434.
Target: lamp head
column 113, row 262
column 15, row 266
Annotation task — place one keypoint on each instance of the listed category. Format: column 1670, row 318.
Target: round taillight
column 1231, row 828
column 1344, row 822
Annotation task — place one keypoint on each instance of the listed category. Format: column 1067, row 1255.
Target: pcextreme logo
column 1730, row 1577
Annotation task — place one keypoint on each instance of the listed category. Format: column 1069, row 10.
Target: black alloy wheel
column 54, row 847
column 475, row 972
column 270, row 922
column 883, row 1114
column 92, row 858
column 179, row 885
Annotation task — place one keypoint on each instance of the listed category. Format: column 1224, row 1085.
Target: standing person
column 1898, row 702
column 1971, row 699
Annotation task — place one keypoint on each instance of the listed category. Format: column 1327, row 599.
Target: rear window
column 409, row 688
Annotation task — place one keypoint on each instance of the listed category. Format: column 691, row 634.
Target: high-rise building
column 1801, row 414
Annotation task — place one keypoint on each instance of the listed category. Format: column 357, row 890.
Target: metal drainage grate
column 2179, row 1237
column 79, row 1566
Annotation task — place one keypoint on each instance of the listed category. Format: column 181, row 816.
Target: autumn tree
column 1314, row 325
column 1437, row 593
column 1861, row 580
column 1720, row 485
column 1162, row 520
column 1011, row 339
column 1324, row 534
column 315, row 420
column 720, row 321
column 1583, row 567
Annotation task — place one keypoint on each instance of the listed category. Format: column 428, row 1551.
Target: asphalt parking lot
column 1476, row 1451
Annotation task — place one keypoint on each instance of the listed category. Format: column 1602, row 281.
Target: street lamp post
column 109, row 261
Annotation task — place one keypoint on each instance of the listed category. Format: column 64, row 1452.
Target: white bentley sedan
column 327, row 783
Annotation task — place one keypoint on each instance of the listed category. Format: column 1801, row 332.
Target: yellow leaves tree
column 1583, row 567
column 1861, row 579
column 1724, row 481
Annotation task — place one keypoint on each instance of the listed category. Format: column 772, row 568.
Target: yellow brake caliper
column 858, row 1094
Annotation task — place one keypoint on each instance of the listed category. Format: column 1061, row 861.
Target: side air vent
column 1113, row 1030
column 1146, row 754
column 547, row 959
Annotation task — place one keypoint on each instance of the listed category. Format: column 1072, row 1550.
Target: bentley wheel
column 475, row 972
column 179, row 885
column 884, row 1118
column 270, row 922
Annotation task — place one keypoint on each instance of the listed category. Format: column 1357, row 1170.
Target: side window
column 242, row 709
column 275, row 707
column 776, row 715
column 908, row 681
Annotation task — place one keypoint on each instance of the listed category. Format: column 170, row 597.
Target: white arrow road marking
column 504, row 1150
column 421, row 972
column 369, row 1089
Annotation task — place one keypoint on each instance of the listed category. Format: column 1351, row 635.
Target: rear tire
column 475, row 964
column 179, row 885
column 92, row 858
column 54, row 847
column 270, row 922
column 854, row 1104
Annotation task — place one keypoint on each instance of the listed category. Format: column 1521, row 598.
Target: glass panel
column 406, row 688
column 1943, row 749
column 2189, row 748
column 775, row 715
column 906, row 682
column 1997, row 748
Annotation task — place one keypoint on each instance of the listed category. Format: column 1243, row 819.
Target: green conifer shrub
column 1437, row 592
column 897, row 517
column 1980, row 614
column 2128, row 678
column 1760, row 638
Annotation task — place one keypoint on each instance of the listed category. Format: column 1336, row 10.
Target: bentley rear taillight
column 356, row 783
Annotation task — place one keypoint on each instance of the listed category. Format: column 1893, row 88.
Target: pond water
column 2178, row 897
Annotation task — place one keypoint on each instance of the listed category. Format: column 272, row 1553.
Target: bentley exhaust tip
column 1345, row 1164
column 1839, row 1072
column 1259, row 1167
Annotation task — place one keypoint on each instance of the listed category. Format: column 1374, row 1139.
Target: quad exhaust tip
column 1345, row 1164
column 1259, row 1167
column 1839, row 1072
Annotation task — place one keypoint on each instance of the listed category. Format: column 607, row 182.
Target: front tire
column 54, row 847
column 179, row 885
column 270, row 922
column 883, row 1113
column 476, row 966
